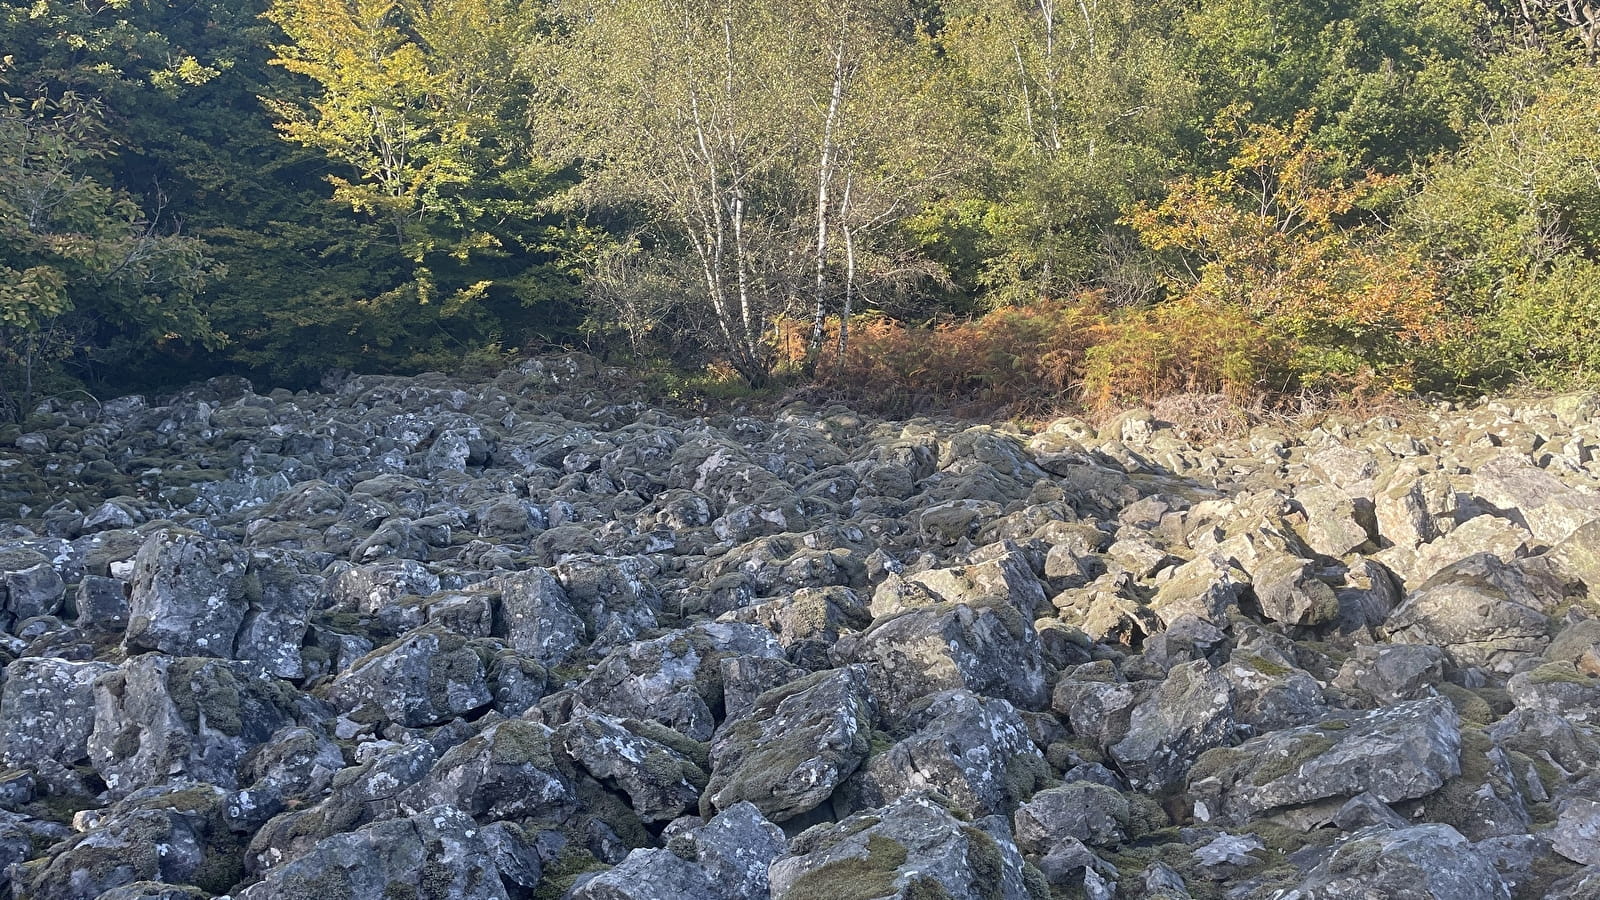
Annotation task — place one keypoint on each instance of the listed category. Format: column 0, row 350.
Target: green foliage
column 78, row 260
column 1515, row 218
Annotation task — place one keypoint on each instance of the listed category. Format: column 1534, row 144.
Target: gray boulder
column 437, row 852
column 537, row 619
column 188, row 595
column 47, row 711
column 508, row 771
column 1399, row 752
column 428, row 677
column 914, row 847
column 280, row 599
column 1480, row 610
column 799, row 743
column 1577, row 832
column 159, row 717
column 989, row 650
column 1189, row 713
column 1084, row 811
column 661, row 783
column 941, row 753
column 724, row 859
column 29, row 586
column 1422, row 862
column 672, row 679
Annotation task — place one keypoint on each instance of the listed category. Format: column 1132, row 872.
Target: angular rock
column 672, row 679
column 661, row 783
column 799, row 743
column 437, row 852
column 1399, row 752
column 942, row 753
column 428, row 677
column 1191, row 712
column 1577, row 832
column 1533, row 497
column 508, row 771
column 47, row 711
column 1479, row 610
column 537, row 619
column 188, row 595
column 1422, row 862
column 724, row 859
column 161, row 717
column 911, row 848
column 1084, row 811
column 989, row 650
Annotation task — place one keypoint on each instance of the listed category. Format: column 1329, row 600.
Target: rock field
column 425, row 638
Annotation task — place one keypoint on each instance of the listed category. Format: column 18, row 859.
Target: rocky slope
column 422, row 638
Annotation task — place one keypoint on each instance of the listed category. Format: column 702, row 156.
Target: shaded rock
column 537, row 619
column 724, row 859
column 1189, row 713
column 974, row 750
column 1423, row 862
column 29, row 586
column 160, row 717
column 1388, row 673
column 1577, row 832
column 366, row 792
column 1399, row 752
column 437, row 852
column 1479, row 609
column 910, row 848
column 280, row 601
column 991, row 651
column 427, row 677
column 102, row 604
column 799, row 743
column 661, row 784
column 507, row 771
column 673, row 679
column 47, row 711
column 1088, row 812
column 188, row 595
column 161, row 837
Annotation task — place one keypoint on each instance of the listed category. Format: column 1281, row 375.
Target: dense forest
column 1093, row 201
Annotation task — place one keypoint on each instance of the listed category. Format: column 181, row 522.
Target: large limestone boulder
column 1398, row 752
column 1189, row 713
column 799, row 743
column 188, row 595
column 1480, row 610
column 428, row 677
column 660, row 782
column 438, row 852
column 673, row 679
column 724, row 859
column 1421, row 862
column 159, row 717
column 989, row 650
column 914, row 847
column 47, row 711
column 507, row 771
column 941, row 753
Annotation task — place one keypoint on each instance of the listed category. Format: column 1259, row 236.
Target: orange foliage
column 1279, row 236
column 1050, row 354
